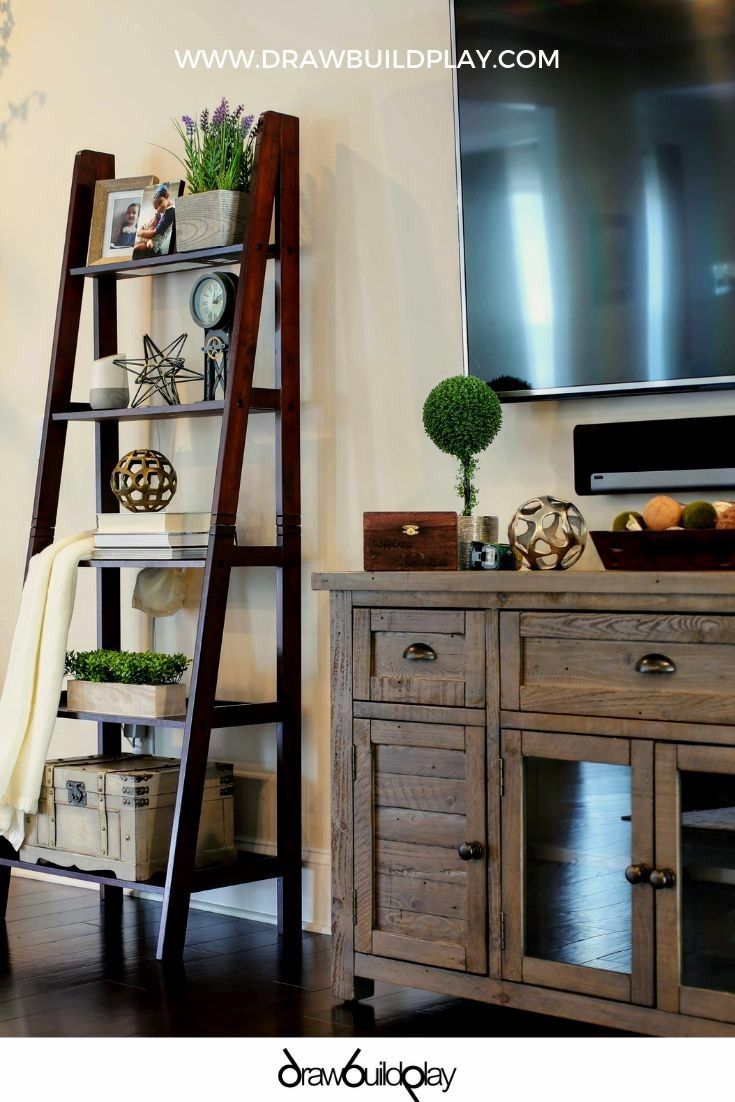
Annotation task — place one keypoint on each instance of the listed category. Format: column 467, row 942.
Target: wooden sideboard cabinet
column 533, row 792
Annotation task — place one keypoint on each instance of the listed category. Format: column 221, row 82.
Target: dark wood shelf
column 274, row 215
column 227, row 713
column 141, row 564
column 179, row 262
column 267, row 555
column 246, row 868
column 264, row 400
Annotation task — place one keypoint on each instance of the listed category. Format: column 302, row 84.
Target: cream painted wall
column 381, row 320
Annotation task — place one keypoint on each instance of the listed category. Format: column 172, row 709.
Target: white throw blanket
column 30, row 697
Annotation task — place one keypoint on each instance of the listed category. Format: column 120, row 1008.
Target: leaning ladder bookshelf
column 274, row 207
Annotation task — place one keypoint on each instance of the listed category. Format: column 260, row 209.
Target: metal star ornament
column 159, row 370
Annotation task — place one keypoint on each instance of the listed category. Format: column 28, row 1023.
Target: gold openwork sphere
column 144, row 481
column 547, row 534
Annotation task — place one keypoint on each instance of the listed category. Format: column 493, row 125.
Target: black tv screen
column 597, row 180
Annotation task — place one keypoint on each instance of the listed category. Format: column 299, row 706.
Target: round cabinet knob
column 469, row 851
column 637, row 874
column 662, row 878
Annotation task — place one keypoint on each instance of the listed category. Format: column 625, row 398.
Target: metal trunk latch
column 76, row 792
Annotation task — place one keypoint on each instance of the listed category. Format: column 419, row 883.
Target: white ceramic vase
column 109, row 385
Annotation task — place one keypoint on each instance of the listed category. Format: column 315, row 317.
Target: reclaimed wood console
column 533, row 792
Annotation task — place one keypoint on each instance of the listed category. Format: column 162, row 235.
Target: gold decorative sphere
column 144, row 481
column 547, row 534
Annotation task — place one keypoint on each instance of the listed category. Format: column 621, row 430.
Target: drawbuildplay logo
column 411, row 1077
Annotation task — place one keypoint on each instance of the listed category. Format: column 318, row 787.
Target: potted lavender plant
column 218, row 161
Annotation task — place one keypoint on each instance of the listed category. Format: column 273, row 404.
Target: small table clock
column 212, row 306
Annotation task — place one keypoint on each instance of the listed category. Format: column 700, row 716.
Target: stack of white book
column 151, row 535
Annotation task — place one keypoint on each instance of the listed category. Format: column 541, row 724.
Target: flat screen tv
column 596, row 166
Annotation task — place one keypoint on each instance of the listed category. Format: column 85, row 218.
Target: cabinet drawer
column 419, row 657
column 638, row 666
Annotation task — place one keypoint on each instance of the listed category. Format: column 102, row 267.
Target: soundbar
column 687, row 453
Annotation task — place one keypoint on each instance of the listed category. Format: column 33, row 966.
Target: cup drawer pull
column 655, row 663
column 420, row 652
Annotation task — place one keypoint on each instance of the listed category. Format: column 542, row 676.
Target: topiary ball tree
column 462, row 416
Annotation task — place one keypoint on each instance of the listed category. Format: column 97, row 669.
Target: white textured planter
column 211, row 219
column 110, row 698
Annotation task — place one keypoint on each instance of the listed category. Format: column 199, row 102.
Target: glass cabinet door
column 577, row 847
column 695, row 877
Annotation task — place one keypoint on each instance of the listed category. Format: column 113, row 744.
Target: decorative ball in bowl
column 144, row 481
column 548, row 534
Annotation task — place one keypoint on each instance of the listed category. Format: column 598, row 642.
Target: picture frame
column 111, row 216
column 157, row 220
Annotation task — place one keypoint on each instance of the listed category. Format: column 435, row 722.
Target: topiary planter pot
column 112, row 698
column 474, row 530
column 211, row 219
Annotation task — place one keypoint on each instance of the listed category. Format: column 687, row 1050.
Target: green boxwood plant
column 126, row 667
column 462, row 416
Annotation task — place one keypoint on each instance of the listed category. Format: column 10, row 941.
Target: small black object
column 662, row 878
column 680, row 453
column 492, row 556
column 469, row 851
column 637, row 874
column 76, row 793
column 212, row 306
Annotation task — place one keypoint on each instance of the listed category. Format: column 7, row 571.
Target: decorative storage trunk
column 211, row 219
column 410, row 541
column 115, row 814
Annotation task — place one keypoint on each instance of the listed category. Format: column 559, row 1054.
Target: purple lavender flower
column 189, row 124
column 247, row 122
column 220, row 115
column 238, row 111
column 204, row 120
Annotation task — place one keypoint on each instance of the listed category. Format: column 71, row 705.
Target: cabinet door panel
column 415, row 803
column 695, row 840
column 403, row 790
column 577, row 811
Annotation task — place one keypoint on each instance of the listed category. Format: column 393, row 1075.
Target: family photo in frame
column 133, row 218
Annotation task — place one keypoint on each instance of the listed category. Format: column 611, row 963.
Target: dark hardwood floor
column 64, row 974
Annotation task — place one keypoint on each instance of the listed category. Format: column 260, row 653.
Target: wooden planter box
column 211, row 219
column 147, row 701
column 115, row 815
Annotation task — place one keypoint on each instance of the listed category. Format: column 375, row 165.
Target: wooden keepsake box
column 410, row 541
column 115, row 815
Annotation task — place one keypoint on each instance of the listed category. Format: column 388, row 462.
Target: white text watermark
column 351, row 58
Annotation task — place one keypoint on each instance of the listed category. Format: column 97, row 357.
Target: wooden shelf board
column 248, row 555
column 158, row 265
column 248, row 868
column 141, row 564
column 264, row 400
column 227, row 713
